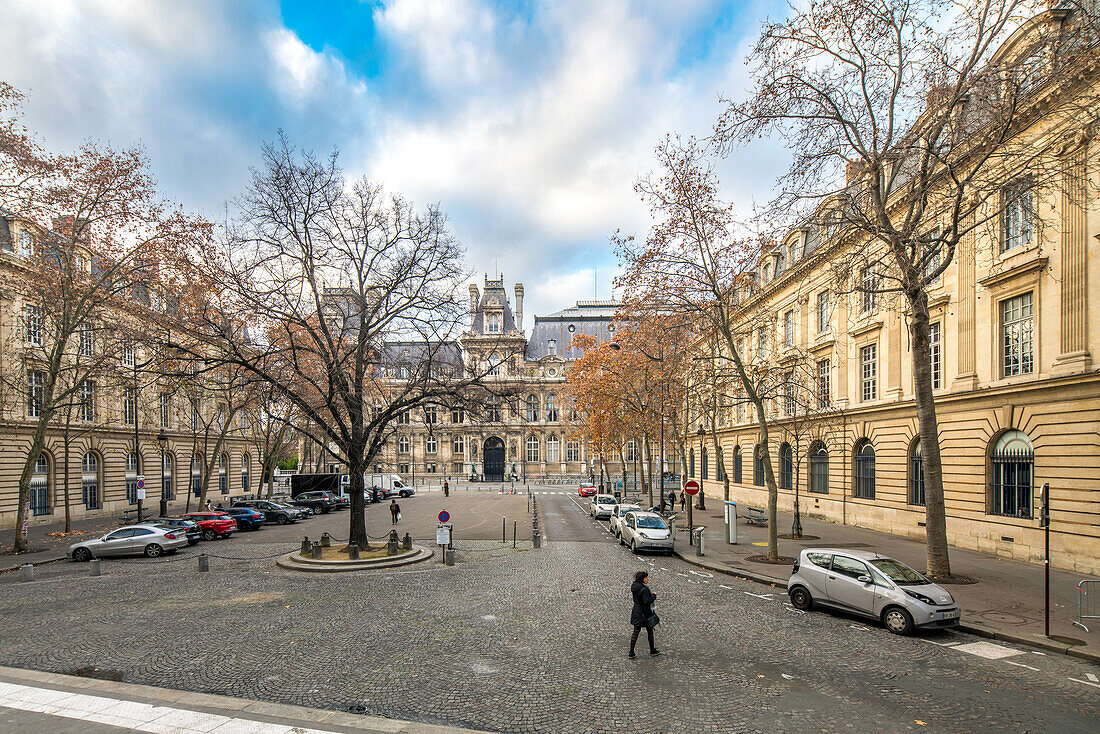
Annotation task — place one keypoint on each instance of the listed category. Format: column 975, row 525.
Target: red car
column 213, row 524
column 587, row 491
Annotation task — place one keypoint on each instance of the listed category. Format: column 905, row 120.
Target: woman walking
column 642, row 614
column 395, row 512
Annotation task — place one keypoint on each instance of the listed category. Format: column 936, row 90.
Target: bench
column 756, row 516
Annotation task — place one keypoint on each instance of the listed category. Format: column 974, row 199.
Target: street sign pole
column 1045, row 521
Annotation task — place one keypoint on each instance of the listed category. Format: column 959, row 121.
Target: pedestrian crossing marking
column 988, row 650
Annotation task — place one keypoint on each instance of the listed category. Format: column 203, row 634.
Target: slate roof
column 587, row 317
column 494, row 289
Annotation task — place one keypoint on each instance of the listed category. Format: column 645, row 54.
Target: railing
column 1088, row 602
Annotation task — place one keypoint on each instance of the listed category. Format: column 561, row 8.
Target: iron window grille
column 786, row 467
column 819, row 469
column 40, row 487
column 1010, row 491
column 89, row 482
column 916, row 476
column 864, row 485
column 167, row 490
column 131, row 478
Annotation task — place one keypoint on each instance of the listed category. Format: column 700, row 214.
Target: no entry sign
column 691, row 487
column 444, row 516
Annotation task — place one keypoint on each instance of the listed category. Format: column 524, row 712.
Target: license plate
column 949, row 615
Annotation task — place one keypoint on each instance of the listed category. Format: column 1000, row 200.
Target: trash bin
column 731, row 522
column 699, row 534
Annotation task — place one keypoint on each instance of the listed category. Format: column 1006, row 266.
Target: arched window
column 40, row 486
column 738, row 465
column 819, row 468
column 1013, row 468
column 246, row 468
column 532, row 408
column 131, row 478
column 532, row 448
column 691, row 463
column 403, row 444
column 786, row 466
column 495, row 363
column 758, row 467
column 551, row 407
column 196, row 474
column 863, row 464
column 167, row 489
column 89, row 481
column 553, row 449
column 916, row 475
column 703, row 470
column 223, row 474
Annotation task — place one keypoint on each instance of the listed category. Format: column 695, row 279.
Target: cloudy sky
column 527, row 121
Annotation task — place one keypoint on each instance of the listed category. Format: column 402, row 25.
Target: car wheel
column 634, row 547
column 403, row 493
column 801, row 599
column 281, row 520
column 153, row 550
column 82, row 555
column 898, row 621
column 209, row 535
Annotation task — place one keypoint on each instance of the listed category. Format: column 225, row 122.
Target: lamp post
column 162, row 442
column 137, row 444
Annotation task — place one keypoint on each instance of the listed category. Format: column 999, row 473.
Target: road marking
column 988, row 650
column 1092, row 677
column 701, row 573
column 787, row 677
column 1087, row 683
column 796, row 611
column 758, row 596
column 725, row 587
column 1021, row 665
column 860, row 627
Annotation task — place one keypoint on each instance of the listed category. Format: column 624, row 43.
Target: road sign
column 691, row 487
column 141, row 487
column 444, row 516
column 443, row 535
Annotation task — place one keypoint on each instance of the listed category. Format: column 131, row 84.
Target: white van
column 390, row 484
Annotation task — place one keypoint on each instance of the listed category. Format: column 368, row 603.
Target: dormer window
column 552, row 347
column 492, row 323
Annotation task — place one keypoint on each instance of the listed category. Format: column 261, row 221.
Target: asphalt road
column 529, row 641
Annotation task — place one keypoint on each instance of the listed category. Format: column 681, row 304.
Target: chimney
column 519, row 306
column 852, row 172
column 475, row 296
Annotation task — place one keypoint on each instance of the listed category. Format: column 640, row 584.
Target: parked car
column 145, row 539
column 247, row 518
column 275, row 512
column 872, row 586
column 213, row 524
column 602, row 506
column 587, row 490
column 317, row 502
column 616, row 520
column 645, row 531
column 190, row 528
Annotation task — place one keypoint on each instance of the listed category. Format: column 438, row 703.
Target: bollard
column 305, row 546
column 315, row 551
column 536, row 538
column 97, row 567
column 448, row 556
column 353, row 551
column 326, row 540
column 503, row 530
column 204, row 563
column 514, row 533
column 391, row 547
column 407, row 542
column 28, row 572
column 701, row 545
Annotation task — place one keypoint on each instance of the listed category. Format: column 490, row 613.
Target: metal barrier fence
column 1088, row 602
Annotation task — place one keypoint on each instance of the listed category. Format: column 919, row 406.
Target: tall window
column 35, row 381
column 495, row 363
column 705, row 473
column 572, row 451
column 32, row 318
column 691, row 463
column 864, row 465
column 819, row 468
column 128, row 353
column 165, row 410
column 246, row 468
column 786, row 467
column 935, row 354
column 431, row 414
column 933, row 257
column 869, row 290
column 86, row 340
column 1017, row 216
column 631, row 451
column 403, row 444
column 430, row 445
column 404, row 417
column 223, row 474
column 762, row 342
column 738, row 466
column 788, row 396
column 532, row 448
column 1013, row 468
column 551, row 407
column 40, row 486
column 87, row 401
column 493, row 412
column 553, row 449
column 552, row 346
column 492, row 323
column 758, row 467
column 916, row 475
column 823, row 312
column 131, row 478
column 1016, row 336
column 196, row 475
column 196, row 421
column 167, row 490
column 823, row 387
column 532, row 409
column 868, row 371
column 89, row 481
column 458, row 415
column 788, row 328
column 458, row 445
column 129, row 406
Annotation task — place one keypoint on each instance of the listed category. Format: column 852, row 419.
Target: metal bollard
column 96, row 567
column 448, row 556
column 27, row 571
column 353, row 551
column 315, row 550
column 536, row 538
column 407, row 542
column 204, row 563
column 326, row 540
column 306, row 545
column 701, row 545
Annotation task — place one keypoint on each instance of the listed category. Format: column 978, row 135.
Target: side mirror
column 864, row 579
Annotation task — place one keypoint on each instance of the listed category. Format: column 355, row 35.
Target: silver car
column 148, row 540
column 615, row 522
column 870, row 585
column 602, row 506
column 645, row 531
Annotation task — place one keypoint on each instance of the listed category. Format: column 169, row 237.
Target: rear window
column 819, row 559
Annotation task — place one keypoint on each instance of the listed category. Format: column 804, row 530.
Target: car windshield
column 898, row 572
column 648, row 521
column 604, row 500
column 628, row 508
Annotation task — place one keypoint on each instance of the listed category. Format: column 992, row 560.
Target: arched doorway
column 494, row 459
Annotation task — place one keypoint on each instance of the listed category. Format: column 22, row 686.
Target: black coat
column 643, row 604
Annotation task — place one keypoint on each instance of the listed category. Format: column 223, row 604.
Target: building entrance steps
column 1005, row 603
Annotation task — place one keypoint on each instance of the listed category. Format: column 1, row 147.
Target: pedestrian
column 672, row 500
column 209, row 507
column 642, row 615
column 446, row 489
column 683, row 500
column 395, row 511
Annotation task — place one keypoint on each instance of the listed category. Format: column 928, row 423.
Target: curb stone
column 971, row 627
column 41, row 562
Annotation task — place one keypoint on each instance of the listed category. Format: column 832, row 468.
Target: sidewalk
column 1005, row 603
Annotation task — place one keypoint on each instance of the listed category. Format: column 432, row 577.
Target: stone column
column 966, row 338
column 841, row 350
column 896, row 339
column 1073, row 351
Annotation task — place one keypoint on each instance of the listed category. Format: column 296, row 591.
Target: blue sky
column 527, row 121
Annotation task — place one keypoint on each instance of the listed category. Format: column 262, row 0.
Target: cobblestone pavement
column 529, row 641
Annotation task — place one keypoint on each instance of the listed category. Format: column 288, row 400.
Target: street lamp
column 162, row 442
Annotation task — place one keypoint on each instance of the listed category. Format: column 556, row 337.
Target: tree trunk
column 357, row 524
column 939, row 564
column 65, row 474
column 22, row 518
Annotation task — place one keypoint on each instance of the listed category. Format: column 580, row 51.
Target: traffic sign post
column 444, row 516
column 691, row 487
column 140, row 494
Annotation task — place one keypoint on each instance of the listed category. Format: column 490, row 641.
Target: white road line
column 1087, row 683
column 1021, row 665
column 1092, row 677
column 130, row 714
column 758, row 596
column 723, row 586
column 988, row 650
